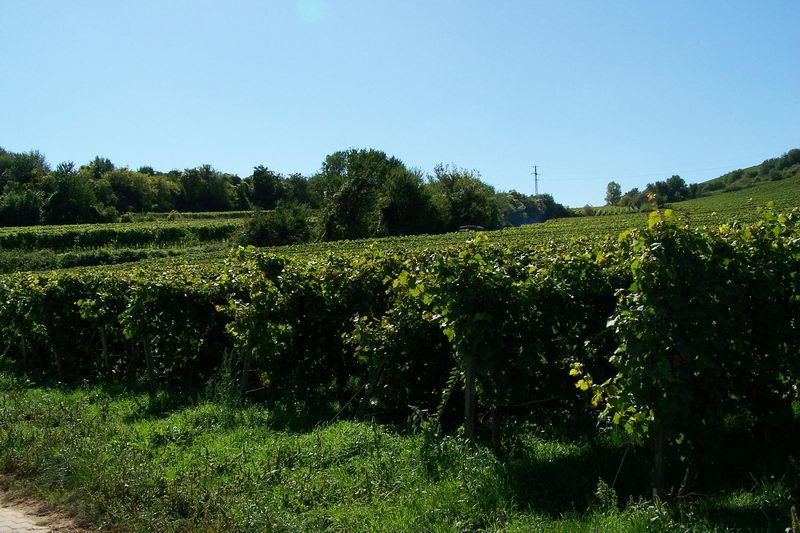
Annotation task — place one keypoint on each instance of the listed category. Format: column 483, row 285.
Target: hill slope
column 774, row 169
column 741, row 203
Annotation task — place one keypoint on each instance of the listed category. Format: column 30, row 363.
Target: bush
column 286, row 224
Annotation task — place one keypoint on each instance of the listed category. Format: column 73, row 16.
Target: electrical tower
column 535, row 179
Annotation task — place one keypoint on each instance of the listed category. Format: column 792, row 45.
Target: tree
column 348, row 213
column 515, row 208
column 613, row 193
column 296, row 189
column 546, row 208
column 266, row 187
column 519, row 209
column 127, row 190
column 403, row 204
column 633, row 198
column 659, row 192
column 351, row 183
column 97, row 167
column 244, row 194
column 131, row 191
column 678, row 190
column 167, row 192
column 206, row 189
column 21, row 205
column 470, row 200
column 72, row 199
column 28, row 167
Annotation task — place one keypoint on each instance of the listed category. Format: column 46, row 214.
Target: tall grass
column 125, row 461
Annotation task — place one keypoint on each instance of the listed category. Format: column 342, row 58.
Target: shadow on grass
column 751, row 476
column 554, row 478
column 772, row 519
column 746, row 478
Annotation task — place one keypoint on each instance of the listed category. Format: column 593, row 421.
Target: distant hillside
column 784, row 193
column 735, row 200
column 675, row 189
column 775, row 169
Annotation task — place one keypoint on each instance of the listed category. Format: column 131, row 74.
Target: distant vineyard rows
column 141, row 234
column 176, row 238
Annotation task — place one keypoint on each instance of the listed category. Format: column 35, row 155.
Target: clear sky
column 589, row 91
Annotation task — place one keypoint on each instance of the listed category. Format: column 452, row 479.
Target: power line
column 653, row 174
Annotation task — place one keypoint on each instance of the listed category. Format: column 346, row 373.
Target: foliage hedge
column 666, row 330
column 90, row 236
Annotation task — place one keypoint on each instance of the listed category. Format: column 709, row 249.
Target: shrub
column 286, row 224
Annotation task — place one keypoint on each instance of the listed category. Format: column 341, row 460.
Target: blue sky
column 589, row 91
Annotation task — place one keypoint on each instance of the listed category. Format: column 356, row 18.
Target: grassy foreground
column 124, row 462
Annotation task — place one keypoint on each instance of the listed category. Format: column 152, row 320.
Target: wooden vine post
column 106, row 356
column 246, row 362
column 659, row 443
column 372, row 383
column 23, row 349
column 151, row 373
column 59, row 363
column 56, row 354
column 471, row 361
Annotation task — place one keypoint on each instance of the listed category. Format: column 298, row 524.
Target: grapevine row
column 664, row 331
column 90, row 236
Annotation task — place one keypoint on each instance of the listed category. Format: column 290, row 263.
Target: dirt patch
column 22, row 502
column 37, row 514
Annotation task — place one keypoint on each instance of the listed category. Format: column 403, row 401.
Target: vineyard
column 179, row 238
column 128, row 235
column 710, row 211
column 671, row 327
column 55, row 247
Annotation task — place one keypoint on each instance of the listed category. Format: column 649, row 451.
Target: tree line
column 356, row 193
column 655, row 194
column 773, row 169
column 675, row 188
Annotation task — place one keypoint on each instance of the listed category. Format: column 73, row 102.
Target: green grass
column 125, row 462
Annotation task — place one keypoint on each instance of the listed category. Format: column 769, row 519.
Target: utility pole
column 536, row 179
